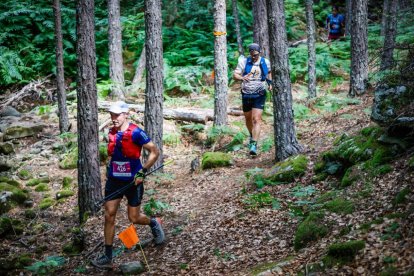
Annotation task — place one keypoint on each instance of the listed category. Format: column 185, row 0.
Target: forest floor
column 210, row 228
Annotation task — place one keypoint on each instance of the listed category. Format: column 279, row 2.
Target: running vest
column 263, row 67
column 128, row 147
column 335, row 23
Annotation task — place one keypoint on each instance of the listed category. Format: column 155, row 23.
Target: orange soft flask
column 129, row 237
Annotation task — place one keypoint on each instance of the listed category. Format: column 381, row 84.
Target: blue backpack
column 263, row 68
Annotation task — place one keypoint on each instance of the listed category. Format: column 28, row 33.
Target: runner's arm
column 153, row 154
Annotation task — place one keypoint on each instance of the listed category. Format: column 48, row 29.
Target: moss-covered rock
column 346, row 251
column 42, row 187
column 215, row 160
column 18, row 195
column 46, row 203
column 9, row 181
column 29, row 214
column 33, row 182
column 288, row 170
column 24, row 174
column 70, row 160
column 10, row 226
column 64, row 194
column 340, row 206
column 6, row 148
column 311, row 229
column 67, row 182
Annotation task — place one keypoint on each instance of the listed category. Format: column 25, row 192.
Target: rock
column 44, row 175
column 1, row 136
column 35, row 151
column 24, row 174
column 5, row 165
column 288, row 170
column 9, row 111
column 28, row 203
column 22, row 129
column 6, row 148
column 132, row 268
column 64, row 194
column 5, row 201
column 215, row 160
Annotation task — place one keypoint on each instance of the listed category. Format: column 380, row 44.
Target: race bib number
column 334, row 26
column 122, row 169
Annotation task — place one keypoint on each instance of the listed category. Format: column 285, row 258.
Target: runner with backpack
column 254, row 72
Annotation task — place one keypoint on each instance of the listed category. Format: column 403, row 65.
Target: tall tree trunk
column 348, row 18
column 153, row 118
column 116, row 71
column 359, row 46
column 260, row 26
column 390, row 34
column 139, row 71
column 284, row 127
column 220, row 64
column 237, row 25
column 310, row 31
column 60, row 74
column 385, row 13
column 89, row 178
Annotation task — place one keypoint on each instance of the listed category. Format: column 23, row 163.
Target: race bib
column 334, row 26
column 122, row 169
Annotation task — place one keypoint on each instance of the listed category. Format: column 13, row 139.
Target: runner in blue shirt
column 335, row 24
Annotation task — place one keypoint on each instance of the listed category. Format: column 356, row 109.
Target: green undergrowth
column 343, row 253
column 353, row 156
column 309, row 230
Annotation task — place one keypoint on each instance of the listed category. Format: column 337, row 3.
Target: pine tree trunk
column 237, row 26
column 284, row 126
column 116, row 71
column 389, row 36
column 310, row 31
column 139, row 71
column 89, row 178
column 385, row 13
column 260, row 26
column 153, row 118
column 60, row 74
column 359, row 48
column 220, row 64
column 348, row 18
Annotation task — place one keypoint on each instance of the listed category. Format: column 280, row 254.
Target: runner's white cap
column 118, row 107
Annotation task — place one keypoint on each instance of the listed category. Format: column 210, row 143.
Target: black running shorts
column 133, row 194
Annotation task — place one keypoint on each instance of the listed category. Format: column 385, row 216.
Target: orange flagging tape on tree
column 219, row 33
column 129, row 237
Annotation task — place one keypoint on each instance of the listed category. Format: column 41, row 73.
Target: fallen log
column 190, row 115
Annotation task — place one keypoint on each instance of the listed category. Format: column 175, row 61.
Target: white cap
column 118, row 107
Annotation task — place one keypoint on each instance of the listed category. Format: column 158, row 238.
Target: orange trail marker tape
column 129, row 238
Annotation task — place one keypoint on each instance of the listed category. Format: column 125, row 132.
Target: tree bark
column 237, row 26
column 348, row 18
column 139, row 71
column 60, row 74
column 89, row 178
column 153, row 119
column 385, row 13
column 359, row 48
column 286, row 143
column 310, row 31
column 220, row 64
column 116, row 71
column 260, row 26
column 390, row 34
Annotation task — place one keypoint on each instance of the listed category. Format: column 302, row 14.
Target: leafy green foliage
column 155, row 207
column 260, row 200
column 50, row 265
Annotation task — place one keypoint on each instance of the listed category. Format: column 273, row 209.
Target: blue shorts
column 133, row 194
column 251, row 101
